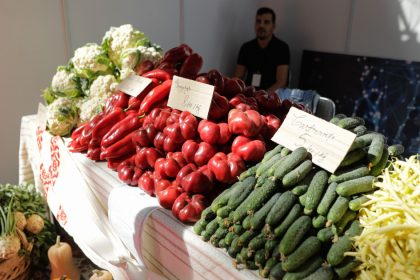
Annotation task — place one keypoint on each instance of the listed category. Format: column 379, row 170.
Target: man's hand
column 282, row 78
column 240, row 71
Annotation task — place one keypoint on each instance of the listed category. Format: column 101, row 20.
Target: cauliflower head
column 117, row 39
column 103, row 86
column 90, row 61
column 131, row 57
column 62, row 116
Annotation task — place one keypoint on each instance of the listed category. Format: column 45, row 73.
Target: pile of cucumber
column 290, row 219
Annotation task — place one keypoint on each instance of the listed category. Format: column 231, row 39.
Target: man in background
column 264, row 61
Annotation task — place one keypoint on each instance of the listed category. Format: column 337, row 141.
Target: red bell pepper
column 249, row 91
column 195, row 180
column 198, row 153
column 243, row 103
column 216, row 79
column 187, row 208
column 143, row 137
column 158, row 140
column 177, row 55
column 191, row 66
column 248, row 123
column 170, row 166
column 248, row 149
column 120, row 148
column 171, row 145
column 272, row 124
column 144, row 67
column 146, row 157
column 86, row 135
column 158, row 117
column 214, row 133
column 155, row 96
column 146, row 182
column 268, row 101
column 114, row 162
column 173, row 132
column 203, row 78
column 232, row 86
column 128, row 172
column 226, row 168
column 188, row 124
column 167, row 196
column 219, row 107
column 78, row 131
column 127, row 125
column 117, row 100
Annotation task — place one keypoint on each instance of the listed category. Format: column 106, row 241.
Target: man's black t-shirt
column 263, row 61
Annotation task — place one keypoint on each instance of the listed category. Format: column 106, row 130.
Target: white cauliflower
column 103, row 86
column 90, row 107
column 131, row 57
column 126, row 72
column 62, row 116
column 91, row 60
column 63, row 81
column 117, row 39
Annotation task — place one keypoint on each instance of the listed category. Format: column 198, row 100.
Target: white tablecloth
column 112, row 222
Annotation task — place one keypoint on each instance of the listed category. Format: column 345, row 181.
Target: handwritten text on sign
column 41, row 116
column 327, row 142
column 133, row 85
column 192, row 96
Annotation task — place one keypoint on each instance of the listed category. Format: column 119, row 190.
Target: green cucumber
column 251, row 171
column 375, row 149
column 255, row 200
column 290, row 162
column 256, row 243
column 327, row 199
column 208, row 214
column 266, row 165
column 276, row 273
column 349, row 174
column 269, row 247
column 302, row 199
column 270, row 172
column 309, row 247
column 211, row 228
column 349, row 216
column 319, row 221
column 268, row 155
column 359, row 130
column 223, row 212
column 337, row 118
column 335, row 254
column 396, row 150
column 269, row 264
column 353, row 157
column 356, row 186
column 377, row 169
column 229, row 237
column 325, row 234
column 295, row 234
column 355, row 229
column 297, row 174
column 362, row 141
column 222, row 199
column 245, row 237
column 237, row 228
column 356, row 204
column 285, row 151
column 300, row 189
column 310, row 266
column 350, row 122
column 337, row 210
column 258, row 219
column 280, row 208
column 346, row 267
column 293, row 215
column 315, row 191
column 200, row 225
column 322, row 273
column 234, row 247
column 241, row 192
column 246, row 223
column 222, row 243
column 218, row 235
column 259, row 258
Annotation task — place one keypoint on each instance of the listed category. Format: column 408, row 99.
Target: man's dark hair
column 266, row 10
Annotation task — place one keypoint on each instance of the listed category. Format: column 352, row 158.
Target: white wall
column 33, row 39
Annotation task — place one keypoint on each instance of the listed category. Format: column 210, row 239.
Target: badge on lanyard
column 256, row 80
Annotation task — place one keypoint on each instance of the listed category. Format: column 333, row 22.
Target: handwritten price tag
column 327, row 142
column 133, row 85
column 41, row 116
column 192, row 96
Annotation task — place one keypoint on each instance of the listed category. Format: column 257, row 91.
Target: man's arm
column 240, row 71
column 282, row 78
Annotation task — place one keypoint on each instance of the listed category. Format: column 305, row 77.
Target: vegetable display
column 290, row 219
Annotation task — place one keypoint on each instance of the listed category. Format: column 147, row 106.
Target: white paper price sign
column 41, row 116
column 133, row 85
column 327, row 142
column 192, row 96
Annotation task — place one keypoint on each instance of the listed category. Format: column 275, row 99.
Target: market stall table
column 116, row 221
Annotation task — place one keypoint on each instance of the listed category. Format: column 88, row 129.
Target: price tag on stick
column 133, row 85
column 192, row 96
column 327, row 142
